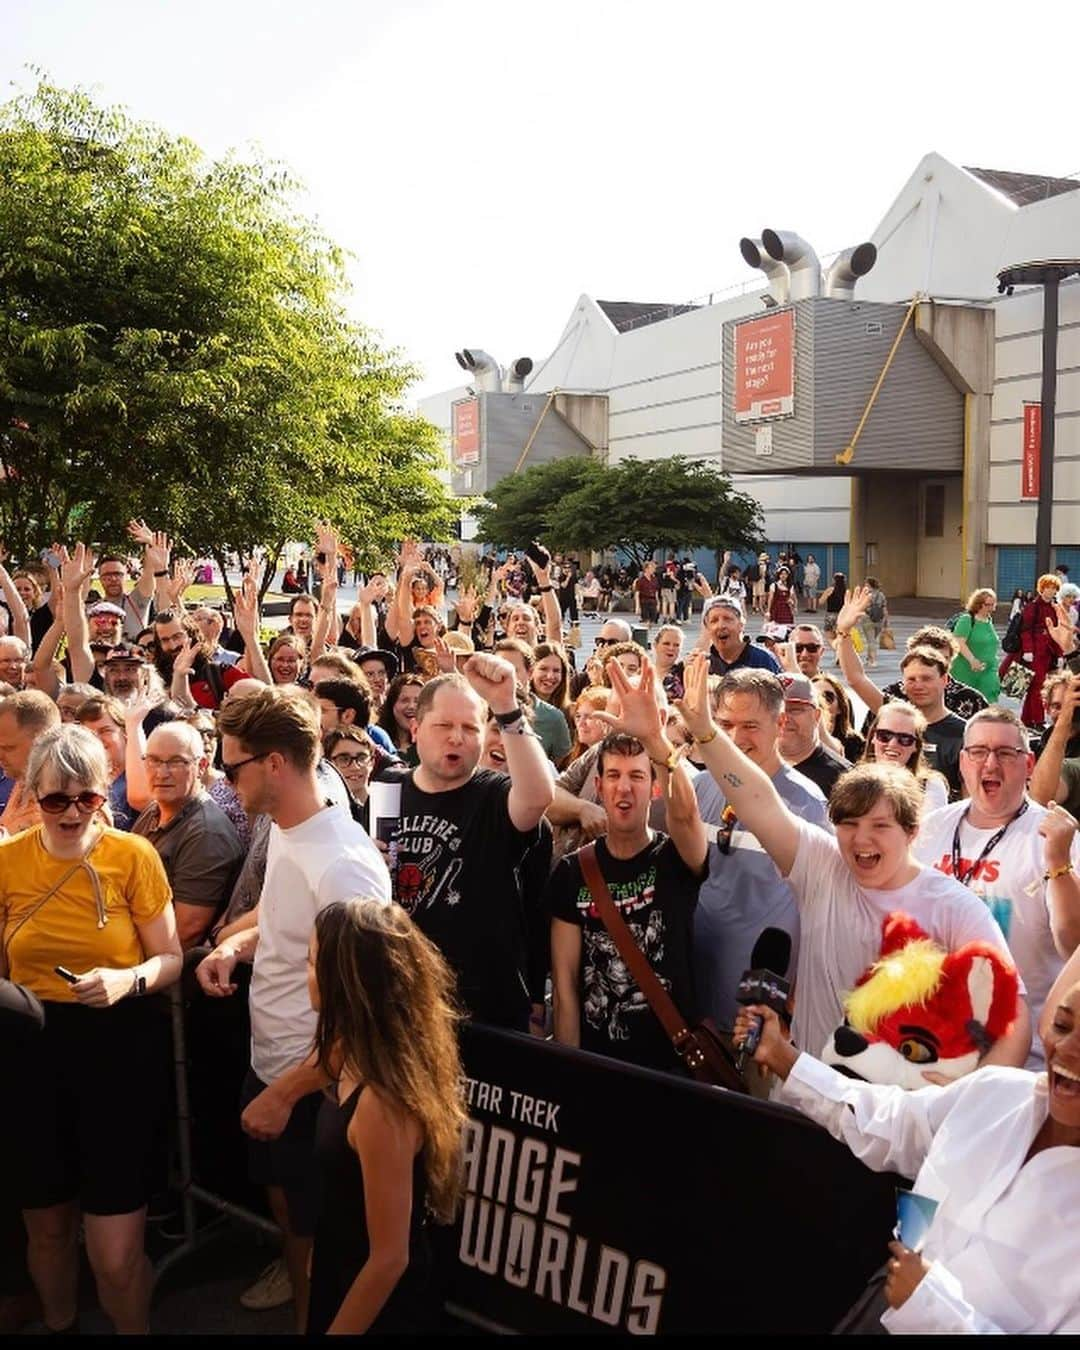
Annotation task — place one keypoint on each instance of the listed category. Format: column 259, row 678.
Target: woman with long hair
column 388, row 1141
column 550, row 678
column 839, row 719
column 832, row 602
column 976, row 661
column 780, row 608
column 287, row 658
column 589, row 730
column 898, row 736
column 398, row 710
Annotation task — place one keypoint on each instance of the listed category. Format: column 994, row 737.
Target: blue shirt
column 752, row 657
column 743, row 893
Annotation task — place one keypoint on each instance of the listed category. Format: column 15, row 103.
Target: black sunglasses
column 56, row 803
column 605, row 642
column 232, row 771
column 807, row 647
column 883, row 736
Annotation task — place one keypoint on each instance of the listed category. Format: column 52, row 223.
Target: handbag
column 886, row 640
column 699, row 1047
column 1016, row 679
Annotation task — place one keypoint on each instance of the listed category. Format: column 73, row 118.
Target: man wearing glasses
column 807, row 644
column 195, row 839
column 135, row 604
column 614, row 630
column 1020, row 858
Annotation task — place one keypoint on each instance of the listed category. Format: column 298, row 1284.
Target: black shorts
column 87, row 1110
column 288, row 1162
column 649, row 613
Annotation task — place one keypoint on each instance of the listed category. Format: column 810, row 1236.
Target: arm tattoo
column 732, row 778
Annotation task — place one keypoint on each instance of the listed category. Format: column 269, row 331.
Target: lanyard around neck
column 965, row 878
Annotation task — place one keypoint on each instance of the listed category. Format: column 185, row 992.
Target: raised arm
column 136, row 781
column 548, row 603
column 1047, row 784
column 747, row 788
column 75, row 573
column 856, row 603
column 531, row 786
column 246, row 618
column 42, row 663
column 20, row 615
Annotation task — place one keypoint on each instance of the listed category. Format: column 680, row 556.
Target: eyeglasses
column 1006, row 754
column 883, row 737
column 350, row 761
column 232, row 771
column 174, row 763
column 56, row 803
column 807, row 647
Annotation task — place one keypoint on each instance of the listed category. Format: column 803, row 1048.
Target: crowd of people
column 333, row 841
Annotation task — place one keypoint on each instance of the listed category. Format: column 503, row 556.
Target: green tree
column 640, row 506
column 173, row 344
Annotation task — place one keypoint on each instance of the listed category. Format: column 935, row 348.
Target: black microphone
column 761, row 984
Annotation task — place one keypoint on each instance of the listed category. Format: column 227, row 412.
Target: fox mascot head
column 919, row 1008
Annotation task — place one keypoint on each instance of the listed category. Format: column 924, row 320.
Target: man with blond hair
column 23, row 718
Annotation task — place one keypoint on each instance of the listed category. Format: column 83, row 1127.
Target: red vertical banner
column 1030, row 467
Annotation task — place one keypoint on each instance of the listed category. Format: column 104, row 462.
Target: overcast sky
column 485, row 162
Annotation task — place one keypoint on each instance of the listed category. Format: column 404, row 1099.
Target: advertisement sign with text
column 1031, row 463
column 765, row 367
column 465, row 431
column 604, row 1198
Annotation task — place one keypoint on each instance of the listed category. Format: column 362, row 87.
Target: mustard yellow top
column 64, row 931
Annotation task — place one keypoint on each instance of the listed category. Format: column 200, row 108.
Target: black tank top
column 341, row 1239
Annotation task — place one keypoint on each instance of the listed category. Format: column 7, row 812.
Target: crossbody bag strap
column 9, row 937
column 636, row 961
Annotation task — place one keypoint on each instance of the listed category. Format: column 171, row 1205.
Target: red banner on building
column 465, row 432
column 765, row 367
column 1030, row 469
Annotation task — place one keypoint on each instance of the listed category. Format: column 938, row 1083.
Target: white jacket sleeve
column 938, row 1306
column 886, row 1127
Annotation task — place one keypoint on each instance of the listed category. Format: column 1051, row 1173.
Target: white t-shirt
column 326, row 858
column 1009, row 882
column 841, row 928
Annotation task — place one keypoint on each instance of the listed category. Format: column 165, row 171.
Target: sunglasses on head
column 56, row 803
column 883, row 737
column 807, row 647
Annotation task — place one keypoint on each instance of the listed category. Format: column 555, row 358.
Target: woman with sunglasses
column 897, row 737
column 839, row 719
column 86, row 924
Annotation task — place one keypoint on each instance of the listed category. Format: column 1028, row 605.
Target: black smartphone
column 65, row 974
column 320, row 558
column 538, row 554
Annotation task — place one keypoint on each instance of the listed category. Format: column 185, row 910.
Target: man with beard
column 184, row 664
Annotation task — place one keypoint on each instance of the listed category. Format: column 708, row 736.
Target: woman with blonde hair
column 976, row 660
column 897, row 736
column 388, row 1139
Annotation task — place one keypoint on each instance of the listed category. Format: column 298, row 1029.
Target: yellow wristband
column 704, row 740
column 1056, row 872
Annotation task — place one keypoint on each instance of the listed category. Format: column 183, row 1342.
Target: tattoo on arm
column 732, row 778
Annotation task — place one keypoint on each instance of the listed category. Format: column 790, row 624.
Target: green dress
column 982, row 642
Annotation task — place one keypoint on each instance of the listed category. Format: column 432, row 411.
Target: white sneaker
column 273, row 1288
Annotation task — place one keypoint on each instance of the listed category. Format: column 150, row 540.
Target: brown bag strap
column 636, row 961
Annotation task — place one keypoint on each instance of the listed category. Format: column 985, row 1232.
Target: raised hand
column 158, row 551
column 246, row 607
column 639, row 713
column 1064, row 631
column 856, row 603
column 494, row 680
column 186, row 657
column 468, row 604
column 444, row 655
column 76, row 568
column 140, row 532
column 694, row 704
column 136, row 711
column 183, row 578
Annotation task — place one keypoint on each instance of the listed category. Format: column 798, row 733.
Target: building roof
column 626, row 314
column 1022, row 189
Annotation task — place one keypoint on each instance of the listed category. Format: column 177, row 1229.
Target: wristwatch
column 507, row 719
column 138, row 984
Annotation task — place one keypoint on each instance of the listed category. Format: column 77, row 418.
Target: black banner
column 606, row 1198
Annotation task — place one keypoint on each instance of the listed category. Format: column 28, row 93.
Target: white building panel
column 1012, row 523
column 1010, row 397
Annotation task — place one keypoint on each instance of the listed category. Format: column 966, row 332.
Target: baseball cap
column 797, row 689
column 103, row 608
column 125, row 651
column 727, row 601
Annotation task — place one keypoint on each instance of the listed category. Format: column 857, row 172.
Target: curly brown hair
column 388, row 1015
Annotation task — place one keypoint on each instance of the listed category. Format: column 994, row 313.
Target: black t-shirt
column 457, row 857
column 822, row 767
column 947, row 736
column 655, row 892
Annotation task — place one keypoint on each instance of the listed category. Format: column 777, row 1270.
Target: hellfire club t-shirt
column 655, row 893
column 457, row 859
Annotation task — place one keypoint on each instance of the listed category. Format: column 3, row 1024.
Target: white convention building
column 886, row 420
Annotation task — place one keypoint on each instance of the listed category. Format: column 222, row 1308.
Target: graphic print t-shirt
column 655, row 892
column 457, row 874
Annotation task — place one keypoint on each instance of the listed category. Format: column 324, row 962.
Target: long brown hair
column 388, row 1015
column 561, row 697
column 916, row 765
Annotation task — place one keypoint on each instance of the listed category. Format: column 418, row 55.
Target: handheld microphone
column 761, row 984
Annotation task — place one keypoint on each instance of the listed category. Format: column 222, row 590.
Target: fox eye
column 918, row 1052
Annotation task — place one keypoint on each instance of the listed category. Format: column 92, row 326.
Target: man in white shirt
column 846, row 886
column 1016, row 856
column 316, row 855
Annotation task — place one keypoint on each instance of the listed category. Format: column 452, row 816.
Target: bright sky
column 487, row 162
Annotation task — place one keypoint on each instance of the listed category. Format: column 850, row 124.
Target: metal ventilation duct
column 777, row 272
column 485, row 369
column 846, row 268
column 516, row 374
column 802, row 262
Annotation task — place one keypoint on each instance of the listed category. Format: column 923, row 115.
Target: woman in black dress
column 388, row 1141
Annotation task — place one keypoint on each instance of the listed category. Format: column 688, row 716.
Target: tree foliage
column 640, row 506
column 173, row 344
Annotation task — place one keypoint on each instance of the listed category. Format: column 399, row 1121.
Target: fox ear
column 980, row 983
